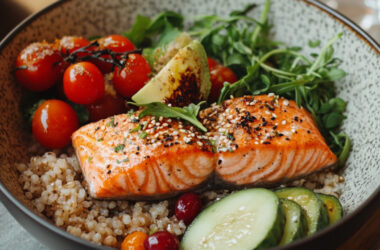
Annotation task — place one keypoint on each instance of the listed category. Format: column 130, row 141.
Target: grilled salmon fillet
column 127, row 157
column 265, row 139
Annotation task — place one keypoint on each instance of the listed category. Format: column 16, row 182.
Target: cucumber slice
column 247, row 219
column 334, row 208
column 316, row 212
column 296, row 222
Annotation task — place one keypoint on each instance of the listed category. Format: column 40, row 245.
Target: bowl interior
column 294, row 22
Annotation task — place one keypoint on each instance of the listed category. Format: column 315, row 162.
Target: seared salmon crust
column 257, row 140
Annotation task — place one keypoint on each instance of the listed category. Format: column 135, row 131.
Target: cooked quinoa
column 57, row 190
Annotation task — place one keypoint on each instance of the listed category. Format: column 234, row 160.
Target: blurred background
column 366, row 13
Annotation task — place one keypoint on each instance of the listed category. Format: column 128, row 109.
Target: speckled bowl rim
column 355, row 219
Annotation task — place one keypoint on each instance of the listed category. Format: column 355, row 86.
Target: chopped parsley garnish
column 135, row 129
column 125, row 160
column 111, row 123
column 119, row 148
column 143, row 135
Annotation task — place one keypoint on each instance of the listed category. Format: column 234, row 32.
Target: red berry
column 161, row 241
column 187, row 207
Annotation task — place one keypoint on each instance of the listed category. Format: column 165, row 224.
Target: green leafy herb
column 111, row 123
column 314, row 44
column 143, row 135
column 119, row 148
column 122, row 161
column 188, row 113
column 135, row 129
column 146, row 32
column 89, row 159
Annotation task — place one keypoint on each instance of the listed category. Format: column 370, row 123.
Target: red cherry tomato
column 38, row 67
column 212, row 63
column 161, row 241
column 83, row 83
column 116, row 43
column 132, row 77
column 188, row 207
column 107, row 106
column 218, row 76
column 53, row 123
column 69, row 44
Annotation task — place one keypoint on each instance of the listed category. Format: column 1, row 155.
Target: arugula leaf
column 314, row 44
column 119, row 148
column 81, row 111
column 158, row 109
column 137, row 33
column 29, row 112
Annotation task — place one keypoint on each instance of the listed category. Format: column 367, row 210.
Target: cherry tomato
column 218, row 76
column 69, row 44
column 53, row 123
column 105, row 107
column 83, row 83
column 212, row 63
column 132, row 77
column 38, row 67
column 116, row 43
column 134, row 241
column 188, row 207
column 161, row 241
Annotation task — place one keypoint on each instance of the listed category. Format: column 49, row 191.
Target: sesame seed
column 286, row 102
column 267, row 112
column 283, row 122
column 293, row 130
column 271, row 94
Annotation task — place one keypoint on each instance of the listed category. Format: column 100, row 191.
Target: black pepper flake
column 301, row 120
column 230, row 136
column 263, row 119
column 274, row 127
column 273, row 118
column 308, row 131
column 137, row 148
column 266, row 142
column 109, row 171
column 147, row 156
column 135, row 120
column 287, row 138
column 97, row 128
column 264, row 124
column 219, row 161
column 137, row 153
column 296, row 118
column 269, row 107
column 237, row 110
column 108, row 166
column 258, row 128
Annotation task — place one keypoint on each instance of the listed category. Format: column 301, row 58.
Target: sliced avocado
column 184, row 79
column 160, row 56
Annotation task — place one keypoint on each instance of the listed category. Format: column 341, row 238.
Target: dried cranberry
column 161, row 241
column 187, row 207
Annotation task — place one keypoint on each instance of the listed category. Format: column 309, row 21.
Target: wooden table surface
column 367, row 237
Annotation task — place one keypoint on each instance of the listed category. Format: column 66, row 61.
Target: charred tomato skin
column 53, row 124
column 39, row 67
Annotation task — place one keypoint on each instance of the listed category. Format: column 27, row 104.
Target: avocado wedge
column 183, row 80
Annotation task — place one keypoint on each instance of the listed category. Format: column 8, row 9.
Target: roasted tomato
column 218, row 76
column 116, row 43
column 83, row 83
column 69, row 44
column 108, row 105
column 132, row 77
column 39, row 66
column 53, row 123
